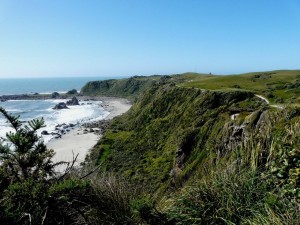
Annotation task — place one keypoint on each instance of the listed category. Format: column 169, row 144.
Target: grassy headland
column 128, row 88
column 186, row 128
column 281, row 86
column 193, row 149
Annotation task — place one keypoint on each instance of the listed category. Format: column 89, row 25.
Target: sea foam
column 76, row 115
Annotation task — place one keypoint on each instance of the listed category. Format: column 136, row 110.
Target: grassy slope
column 129, row 88
column 282, row 86
column 143, row 144
column 265, row 83
column 175, row 136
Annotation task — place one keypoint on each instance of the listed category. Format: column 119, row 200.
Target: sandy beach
column 78, row 140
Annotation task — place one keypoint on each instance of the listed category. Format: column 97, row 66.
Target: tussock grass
column 230, row 196
column 110, row 201
column 225, row 198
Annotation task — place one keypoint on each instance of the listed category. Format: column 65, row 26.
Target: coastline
column 80, row 140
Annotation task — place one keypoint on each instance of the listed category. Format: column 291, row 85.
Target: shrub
column 28, row 158
column 31, row 192
column 25, row 201
column 110, row 201
column 146, row 210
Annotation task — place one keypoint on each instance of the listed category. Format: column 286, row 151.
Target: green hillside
column 279, row 87
column 129, row 88
column 190, row 147
column 282, row 86
column 142, row 145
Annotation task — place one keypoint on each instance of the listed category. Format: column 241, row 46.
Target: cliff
column 204, row 155
column 172, row 135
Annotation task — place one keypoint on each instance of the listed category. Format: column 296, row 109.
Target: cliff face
column 173, row 136
column 130, row 87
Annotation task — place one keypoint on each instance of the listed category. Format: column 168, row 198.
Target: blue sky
column 144, row 37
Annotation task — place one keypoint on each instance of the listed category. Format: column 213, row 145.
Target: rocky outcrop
column 61, row 105
column 55, row 95
column 97, row 126
column 73, row 101
column 72, row 92
column 249, row 134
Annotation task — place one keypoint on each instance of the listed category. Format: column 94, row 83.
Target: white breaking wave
column 89, row 111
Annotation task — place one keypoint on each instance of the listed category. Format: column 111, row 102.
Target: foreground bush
column 32, row 192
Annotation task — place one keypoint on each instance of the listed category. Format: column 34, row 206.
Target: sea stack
column 73, row 101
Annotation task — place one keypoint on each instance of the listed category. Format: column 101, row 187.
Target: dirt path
column 268, row 102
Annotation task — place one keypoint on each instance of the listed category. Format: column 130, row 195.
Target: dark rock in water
column 3, row 100
column 55, row 95
column 72, row 92
column 44, row 132
column 73, row 101
column 61, row 105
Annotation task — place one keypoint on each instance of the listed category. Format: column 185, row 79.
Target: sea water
column 33, row 109
column 43, row 85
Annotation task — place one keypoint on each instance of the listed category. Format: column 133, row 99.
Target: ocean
column 44, row 85
column 32, row 109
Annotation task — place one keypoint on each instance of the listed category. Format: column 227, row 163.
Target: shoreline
column 81, row 139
